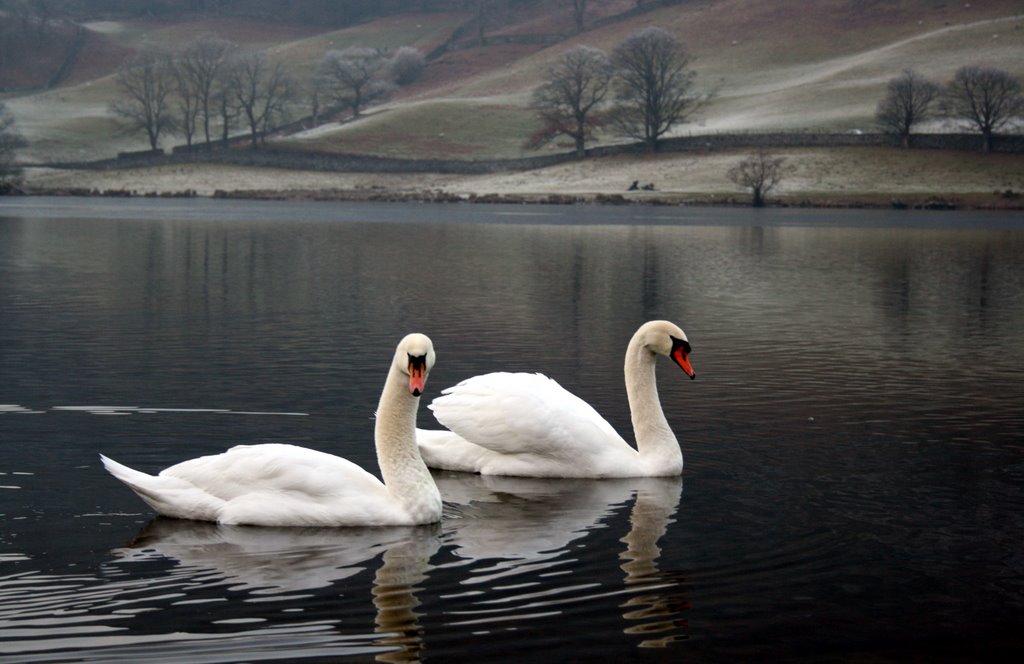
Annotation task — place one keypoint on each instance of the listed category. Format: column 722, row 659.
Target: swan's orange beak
column 417, row 375
column 680, row 357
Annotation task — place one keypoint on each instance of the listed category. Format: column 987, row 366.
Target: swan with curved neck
column 527, row 425
column 285, row 485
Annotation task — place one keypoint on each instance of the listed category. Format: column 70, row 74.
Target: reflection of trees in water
column 940, row 291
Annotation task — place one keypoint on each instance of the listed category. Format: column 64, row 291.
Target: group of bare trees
column 349, row 77
column 212, row 83
column 985, row 99
column 642, row 90
column 357, row 76
column 209, row 83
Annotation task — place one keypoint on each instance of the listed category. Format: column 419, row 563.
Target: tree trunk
column 206, row 125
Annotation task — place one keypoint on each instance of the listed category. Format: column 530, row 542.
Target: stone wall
column 275, row 157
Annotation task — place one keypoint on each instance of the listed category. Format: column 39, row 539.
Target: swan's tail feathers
column 129, row 476
column 170, row 496
column 445, row 450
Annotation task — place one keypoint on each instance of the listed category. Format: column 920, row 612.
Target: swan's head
column 415, row 358
column 666, row 338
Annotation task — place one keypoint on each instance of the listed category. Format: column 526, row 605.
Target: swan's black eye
column 680, row 343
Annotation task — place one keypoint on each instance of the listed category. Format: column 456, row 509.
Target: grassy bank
column 852, row 176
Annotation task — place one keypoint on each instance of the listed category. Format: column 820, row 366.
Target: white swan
column 284, row 485
column 528, row 425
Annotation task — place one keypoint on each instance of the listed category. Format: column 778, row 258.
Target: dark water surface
column 854, row 441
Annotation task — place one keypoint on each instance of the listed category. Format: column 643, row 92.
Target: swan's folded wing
column 277, row 484
column 519, row 413
column 277, row 468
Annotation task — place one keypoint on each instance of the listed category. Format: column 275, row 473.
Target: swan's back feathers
column 277, row 467
column 532, row 417
column 266, row 485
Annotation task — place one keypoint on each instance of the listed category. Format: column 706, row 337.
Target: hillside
column 775, row 65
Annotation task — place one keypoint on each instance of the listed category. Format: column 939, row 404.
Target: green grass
column 75, row 139
column 443, row 130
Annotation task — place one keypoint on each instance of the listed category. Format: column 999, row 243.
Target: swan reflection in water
column 285, row 561
column 525, row 526
column 495, row 528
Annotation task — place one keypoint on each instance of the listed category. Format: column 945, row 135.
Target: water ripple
column 172, row 566
column 520, row 539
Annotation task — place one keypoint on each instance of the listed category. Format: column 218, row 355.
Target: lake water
column 854, row 441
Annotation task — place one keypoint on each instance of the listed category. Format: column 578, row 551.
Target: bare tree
column 909, row 100
column 406, row 65
column 187, row 101
column 314, row 103
column 262, row 92
column 760, row 172
column 224, row 102
column 986, row 99
column 146, row 81
column 199, row 67
column 655, row 86
column 348, row 77
column 576, row 85
column 10, row 142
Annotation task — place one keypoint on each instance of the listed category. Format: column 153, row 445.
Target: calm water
column 854, row 441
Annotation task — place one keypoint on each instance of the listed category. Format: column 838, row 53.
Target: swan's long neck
column 405, row 475
column 657, row 445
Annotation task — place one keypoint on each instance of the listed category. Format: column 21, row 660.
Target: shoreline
column 874, row 178
column 1006, row 202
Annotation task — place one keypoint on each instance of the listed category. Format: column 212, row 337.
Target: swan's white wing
column 442, row 449
column 277, row 467
column 278, row 484
column 267, row 485
column 529, row 416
